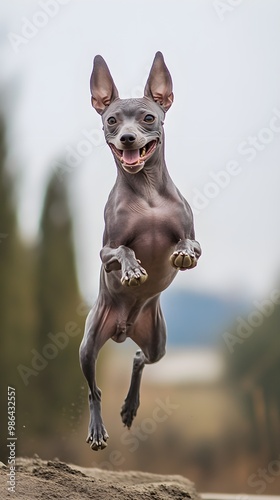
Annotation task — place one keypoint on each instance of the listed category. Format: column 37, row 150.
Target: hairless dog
column 149, row 235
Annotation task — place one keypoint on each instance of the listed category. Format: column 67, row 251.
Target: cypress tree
column 16, row 296
column 60, row 314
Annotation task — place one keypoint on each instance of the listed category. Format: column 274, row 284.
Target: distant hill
column 197, row 319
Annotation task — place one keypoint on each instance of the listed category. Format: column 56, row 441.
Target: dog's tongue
column 131, row 156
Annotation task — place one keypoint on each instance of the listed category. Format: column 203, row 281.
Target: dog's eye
column 111, row 120
column 149, row 119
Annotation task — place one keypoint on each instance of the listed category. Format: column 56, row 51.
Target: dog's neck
column 153, row 178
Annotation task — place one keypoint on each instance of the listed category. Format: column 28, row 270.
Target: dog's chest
column 154, row 222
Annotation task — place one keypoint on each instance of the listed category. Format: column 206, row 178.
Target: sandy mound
column 39, row 479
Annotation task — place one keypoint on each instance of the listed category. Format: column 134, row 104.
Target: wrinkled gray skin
column 148, row 237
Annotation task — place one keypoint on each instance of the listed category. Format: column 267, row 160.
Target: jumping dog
column 148, row 237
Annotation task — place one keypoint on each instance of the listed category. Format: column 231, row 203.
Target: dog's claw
column 99, row 441
column 98, row 445
column 134, row 277
column 186, row 255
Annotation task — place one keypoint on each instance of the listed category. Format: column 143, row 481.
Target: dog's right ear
column 102, row 87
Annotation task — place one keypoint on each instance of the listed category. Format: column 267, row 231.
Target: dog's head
column 132, row 127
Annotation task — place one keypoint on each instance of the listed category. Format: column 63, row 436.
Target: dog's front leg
column 186, row 254
column 124, row 258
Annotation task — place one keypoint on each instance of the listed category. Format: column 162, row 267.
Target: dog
column 148, row 237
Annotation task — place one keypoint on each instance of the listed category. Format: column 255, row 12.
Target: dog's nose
column 127, row 139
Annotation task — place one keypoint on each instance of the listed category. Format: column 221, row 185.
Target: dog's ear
column 159, row 83
column 102, row 87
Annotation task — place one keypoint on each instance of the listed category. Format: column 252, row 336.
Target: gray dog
column 148, row 237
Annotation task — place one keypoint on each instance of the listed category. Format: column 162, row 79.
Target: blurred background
column 210, row 410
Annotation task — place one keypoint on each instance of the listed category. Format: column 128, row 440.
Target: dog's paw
column 186, row 255
column 134, row 276
column 183, row 259
column 128, row 412
column 97, row 437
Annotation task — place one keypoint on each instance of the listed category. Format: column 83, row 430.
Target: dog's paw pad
column 183, row 260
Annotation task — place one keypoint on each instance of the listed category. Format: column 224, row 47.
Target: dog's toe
column 97, row 438
column 128, row 412
column 134, row 277
column 183, row 260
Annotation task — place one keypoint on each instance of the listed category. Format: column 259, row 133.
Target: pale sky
column 222, row 132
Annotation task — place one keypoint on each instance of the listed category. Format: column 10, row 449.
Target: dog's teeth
column 143, row 152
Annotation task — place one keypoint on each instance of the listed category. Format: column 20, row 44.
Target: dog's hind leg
column 149, row 333
column 132, row 400
column 100, row 326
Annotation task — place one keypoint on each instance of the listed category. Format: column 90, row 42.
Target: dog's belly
column 154, row 249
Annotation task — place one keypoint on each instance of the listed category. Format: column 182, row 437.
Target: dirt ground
column 50, row 480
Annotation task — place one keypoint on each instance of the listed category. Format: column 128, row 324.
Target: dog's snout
column 128, row 139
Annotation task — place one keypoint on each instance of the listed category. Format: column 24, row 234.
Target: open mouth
column 133, row 160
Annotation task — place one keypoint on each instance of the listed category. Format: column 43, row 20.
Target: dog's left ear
column 159, row 83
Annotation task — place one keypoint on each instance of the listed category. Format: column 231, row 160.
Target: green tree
column 61, row 316
column 7, row 241
column 16, row 296
column 254, row 369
